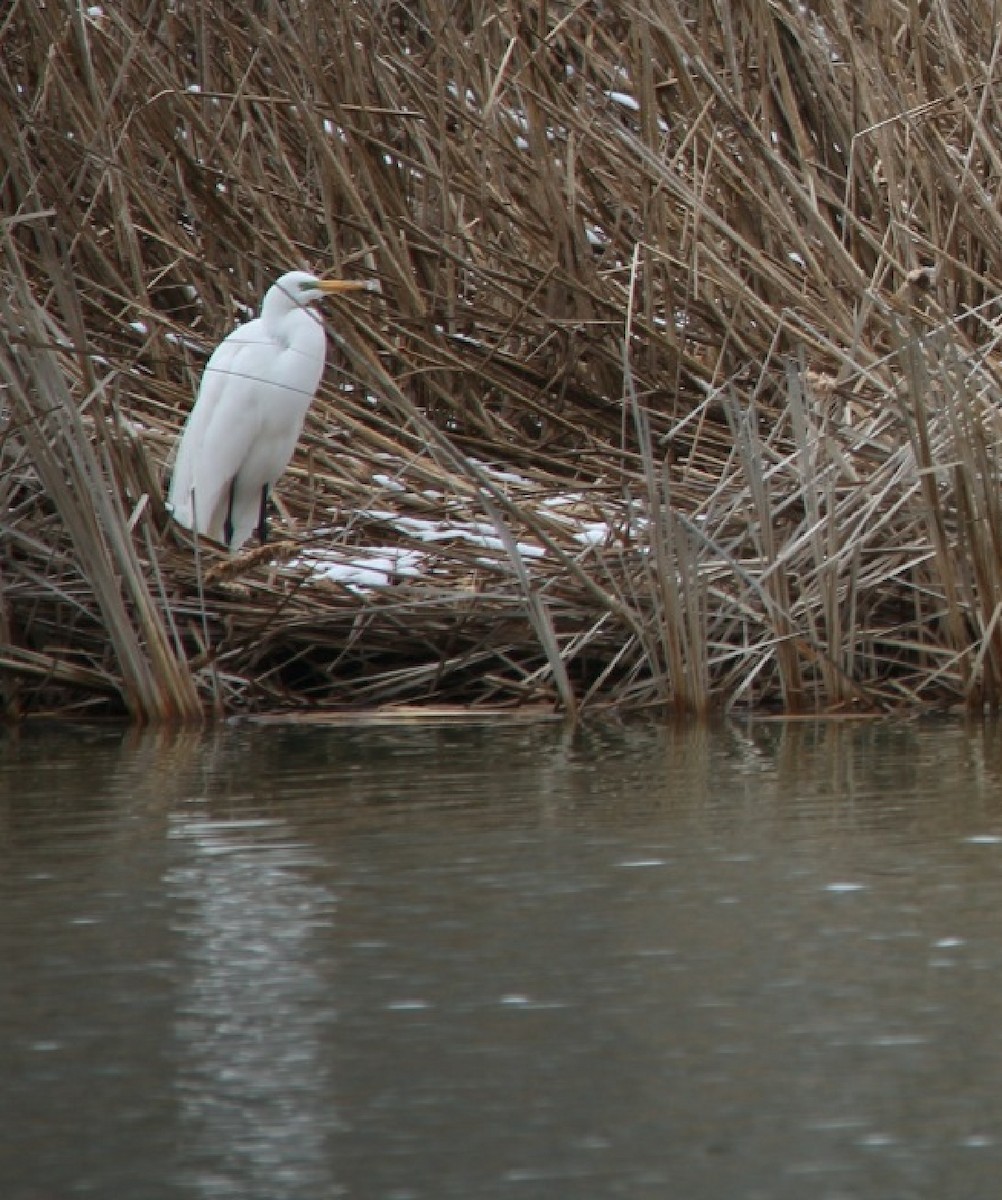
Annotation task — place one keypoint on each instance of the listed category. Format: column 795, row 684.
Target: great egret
column 249, row 413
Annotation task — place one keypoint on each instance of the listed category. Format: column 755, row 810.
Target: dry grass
column 716, row 276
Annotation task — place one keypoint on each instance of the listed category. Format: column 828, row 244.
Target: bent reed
column 679, row 388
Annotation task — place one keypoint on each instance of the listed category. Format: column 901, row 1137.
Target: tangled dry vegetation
column 680, row 387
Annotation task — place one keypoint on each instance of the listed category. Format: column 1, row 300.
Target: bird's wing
column 242, row 431
column 219, row 432
column 277, row 378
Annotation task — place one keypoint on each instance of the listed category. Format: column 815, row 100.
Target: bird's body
column 252, row 402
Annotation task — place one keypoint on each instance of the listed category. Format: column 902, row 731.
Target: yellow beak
column 332, row 287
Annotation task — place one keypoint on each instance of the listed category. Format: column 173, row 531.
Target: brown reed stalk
column 155, row 684
column 788, row 209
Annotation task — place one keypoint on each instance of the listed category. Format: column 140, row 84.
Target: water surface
column 406, row 962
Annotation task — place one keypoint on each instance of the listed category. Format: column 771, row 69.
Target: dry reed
column 684, row 353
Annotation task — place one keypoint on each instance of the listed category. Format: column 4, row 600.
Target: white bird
column 249, row 413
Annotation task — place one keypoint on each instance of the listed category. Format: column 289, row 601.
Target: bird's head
column 301, row 288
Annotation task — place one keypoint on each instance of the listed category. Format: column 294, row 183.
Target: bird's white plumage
column 252, row 402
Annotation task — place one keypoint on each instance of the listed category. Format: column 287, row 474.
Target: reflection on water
column 252, row 1015
column 404, row 962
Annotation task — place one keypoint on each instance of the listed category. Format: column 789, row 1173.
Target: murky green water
column 410, row 963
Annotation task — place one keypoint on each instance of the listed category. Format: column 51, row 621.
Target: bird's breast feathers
column 258, row 365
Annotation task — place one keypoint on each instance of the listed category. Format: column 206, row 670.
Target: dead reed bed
column 680, row 388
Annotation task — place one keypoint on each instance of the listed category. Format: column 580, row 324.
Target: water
column 404, row 962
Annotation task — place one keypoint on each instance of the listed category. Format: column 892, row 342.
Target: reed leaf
column 678, row 386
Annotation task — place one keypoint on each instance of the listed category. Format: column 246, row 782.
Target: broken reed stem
column 785, row 209
column 155, row 683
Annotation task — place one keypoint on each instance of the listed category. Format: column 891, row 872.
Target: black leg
column 262, row 517
column 228, row 523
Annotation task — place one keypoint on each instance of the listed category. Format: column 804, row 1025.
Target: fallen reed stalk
column 680, row 388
